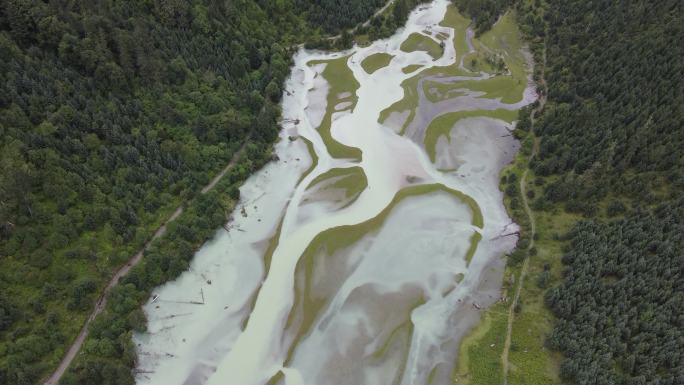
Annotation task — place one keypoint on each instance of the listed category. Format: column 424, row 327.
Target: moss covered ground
column 419, row 42
column 376, row 61
column 341, row 81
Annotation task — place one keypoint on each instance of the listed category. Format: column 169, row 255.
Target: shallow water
column 384, row 299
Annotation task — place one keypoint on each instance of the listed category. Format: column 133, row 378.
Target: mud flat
column 337, row 268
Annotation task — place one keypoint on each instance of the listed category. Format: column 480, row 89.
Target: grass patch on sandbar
column 419, row 42
column 474, row 241
column 509, row 89
column 351, row 179
column 376, row 61
column 479, row 359
column 408, row 103
column 497, row 52
column 443, row 124
column 505, row 41
column 437, row 91
column 410, row 68
column 312, row 154
column 341, row 80
column 453, row 19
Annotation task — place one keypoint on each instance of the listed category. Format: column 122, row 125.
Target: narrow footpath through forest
column 123, row 271
column 532, row 223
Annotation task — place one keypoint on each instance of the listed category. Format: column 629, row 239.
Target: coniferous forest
column 111, row 114
column 615, row 125
column 620, row 304
column 612, row 141
column 611, row 149
column 335, row 15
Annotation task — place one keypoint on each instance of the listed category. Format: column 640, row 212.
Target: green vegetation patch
column 497, row 52
column 530, row 360
column 441, row 36
column 509, row 89
column 408, row 103
column 450, row 70
column 340, row 80
column 453, row 19
column 474, row 241
column 351, row 179
column 479, row 361
column 312, row 154
column 410, row 68
column 483, row 60
column 410, row 100
column 419, row 42
column 500, row 54
column 505, row 37
column 504, row 42
column 443, row 124
column 376, row 61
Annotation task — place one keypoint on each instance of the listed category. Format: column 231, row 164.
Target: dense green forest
column 379, row 26
column 335, row 15
column 615, row 126
column 612, row 146
column 611, row 149
column 620, row 305
column 112, row 113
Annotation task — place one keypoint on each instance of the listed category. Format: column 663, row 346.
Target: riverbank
column 510, row 346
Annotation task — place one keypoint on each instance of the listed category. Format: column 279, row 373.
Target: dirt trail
column 122, row 272
column 377, row 13
column 365, row 23
column 530, row 216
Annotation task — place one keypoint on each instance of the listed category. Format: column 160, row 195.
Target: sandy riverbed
column 374, row 289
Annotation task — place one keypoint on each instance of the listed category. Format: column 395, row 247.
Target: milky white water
column 388, row 307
